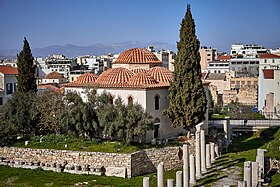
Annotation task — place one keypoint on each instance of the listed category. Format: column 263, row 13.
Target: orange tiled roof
column 138, row 70
column 8, row 70
column 103, row 75
column 161, row 74
column 54, row 75
column 115, row 76
column 269, row 56
column 82, row 80
column 224, row 58
column 268, row 73
column 142, row 78
column 49, row 87
column 137, row 56
column 86, row 78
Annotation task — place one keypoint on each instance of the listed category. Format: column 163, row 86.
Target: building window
column 255, row 82
column 130, row 100
column 249, row 82
column 232, row 82
column 9, row 87
column 243, row 82
column 156, row 102
column 1, row 100
column 156, row 128
column 15, row 87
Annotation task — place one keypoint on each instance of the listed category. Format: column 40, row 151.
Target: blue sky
column 219, row 23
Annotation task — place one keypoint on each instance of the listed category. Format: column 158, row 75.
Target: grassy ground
column 81, row 144
column 26, row 177
column 243, row 148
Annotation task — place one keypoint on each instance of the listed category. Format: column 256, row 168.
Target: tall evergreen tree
column 186, row 94
column 26, row 70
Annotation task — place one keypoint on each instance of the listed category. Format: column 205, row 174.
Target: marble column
column 170, row 182
column 186, row 165
column 212, row 152
column 248, row 173
column 202, row 145
column 208, row 157
column 146, row 182
column 260, row 160
column 217, row 151
column 192, row 170
column 197, row 155
column 160, row 175
column 255, row 174
column 179, row 179
column 226, row 125
column 241, row 184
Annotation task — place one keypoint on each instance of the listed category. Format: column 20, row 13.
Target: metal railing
column 253, row 123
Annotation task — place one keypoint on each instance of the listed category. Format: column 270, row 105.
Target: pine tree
column 186, row 94
column 26, row 70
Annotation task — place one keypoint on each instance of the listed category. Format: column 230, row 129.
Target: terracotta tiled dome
column 138, row 70
column 136, row 56
column 54, row 75
column 86, row 78
column 161, row 74
column 103, row 75
column 115, row 76
column 142, row 79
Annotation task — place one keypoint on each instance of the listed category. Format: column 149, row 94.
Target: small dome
column 139, row 70
column 86, row 78
column 114, row 76
column 161, row 74
column 142, row 79
column 103, row 75
column 137, row 56
column 54, row 75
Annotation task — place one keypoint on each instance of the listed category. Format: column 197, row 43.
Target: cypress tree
column 187, row 99
column 26, row 70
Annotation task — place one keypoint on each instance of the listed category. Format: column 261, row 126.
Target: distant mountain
column 70, row 50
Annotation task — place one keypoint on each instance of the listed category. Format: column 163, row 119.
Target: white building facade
column 8, row 83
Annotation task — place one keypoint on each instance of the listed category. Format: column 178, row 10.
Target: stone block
column 116, row 171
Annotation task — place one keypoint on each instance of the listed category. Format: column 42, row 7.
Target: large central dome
column 137, row 56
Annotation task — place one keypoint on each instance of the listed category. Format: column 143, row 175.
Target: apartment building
column 246, row 50
column 206, row 55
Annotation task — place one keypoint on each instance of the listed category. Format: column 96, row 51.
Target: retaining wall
column 98, row 163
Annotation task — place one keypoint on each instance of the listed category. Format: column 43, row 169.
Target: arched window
column 130, row 100
column 156, row 128
column 157, row 102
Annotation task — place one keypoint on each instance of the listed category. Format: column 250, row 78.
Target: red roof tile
column 83, row 80
column 142, row 79
column 49, row 87
column 115, row 76
column 161, row 74
column 268, row 73
column 269, row 56
column 8, row 70
column 54, row 75
column 224, row 58
column 137, row 56
column 138, row 70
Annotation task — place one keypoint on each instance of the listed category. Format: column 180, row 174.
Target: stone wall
column 98, row 163
column 148, row 160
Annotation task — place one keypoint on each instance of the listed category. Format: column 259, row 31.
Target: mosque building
column 137, row 76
